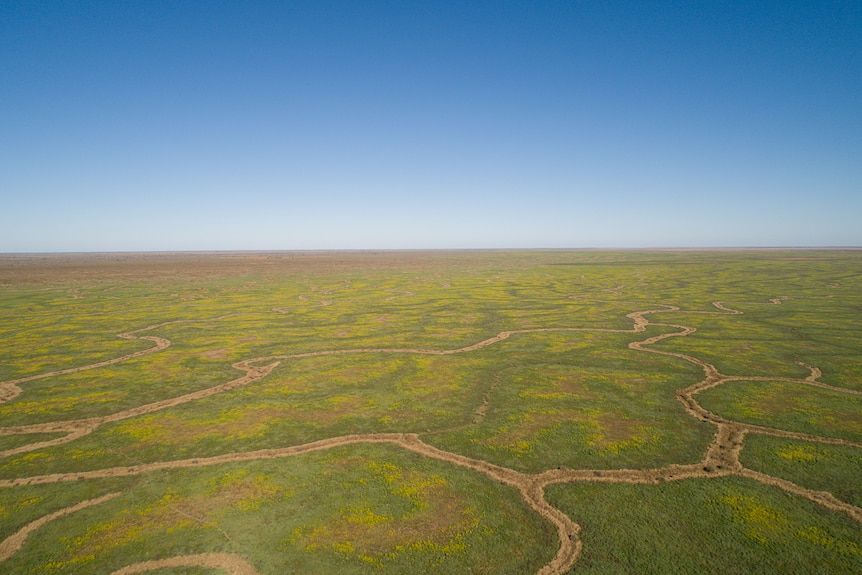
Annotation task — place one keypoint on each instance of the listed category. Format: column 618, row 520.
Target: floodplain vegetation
column 489, row 412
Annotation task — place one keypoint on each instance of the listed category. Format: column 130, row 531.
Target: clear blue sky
column 349, row 125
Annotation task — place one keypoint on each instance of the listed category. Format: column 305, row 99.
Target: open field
column 399, row 412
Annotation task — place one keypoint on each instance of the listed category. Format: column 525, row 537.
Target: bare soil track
column 721, row 458
column 233, row 564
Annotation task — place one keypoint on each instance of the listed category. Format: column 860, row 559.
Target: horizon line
column 430, row 250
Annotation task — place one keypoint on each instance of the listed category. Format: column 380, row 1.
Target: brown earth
column 233, row 564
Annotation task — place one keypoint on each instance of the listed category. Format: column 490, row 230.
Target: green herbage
column 728, row 525
column 820, row 467
column 788, row 406
column 349, row 510
column 396, row 412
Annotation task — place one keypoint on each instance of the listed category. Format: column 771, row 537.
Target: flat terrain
column 456, row 412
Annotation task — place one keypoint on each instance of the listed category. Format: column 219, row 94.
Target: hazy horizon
column 716, row 249
column 336, row 126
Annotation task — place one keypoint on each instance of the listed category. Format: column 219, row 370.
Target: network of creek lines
column 721, row 457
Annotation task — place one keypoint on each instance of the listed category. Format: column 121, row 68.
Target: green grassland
column 361, row 510
column 726, row 525
column 788, row 406
column 361, row 345
column 831, row 468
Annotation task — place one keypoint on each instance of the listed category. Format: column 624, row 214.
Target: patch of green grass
column 788, row 406
column 726, row 526
column 582, row 400
column 13, row 441
column 349, row 510
column 24, row 504
column 817, row 466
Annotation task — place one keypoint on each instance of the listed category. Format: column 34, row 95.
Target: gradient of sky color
column 128, row 126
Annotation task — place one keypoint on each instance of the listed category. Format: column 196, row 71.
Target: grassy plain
column 404, row 412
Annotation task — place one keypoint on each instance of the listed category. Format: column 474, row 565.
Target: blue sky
column 128, row 126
